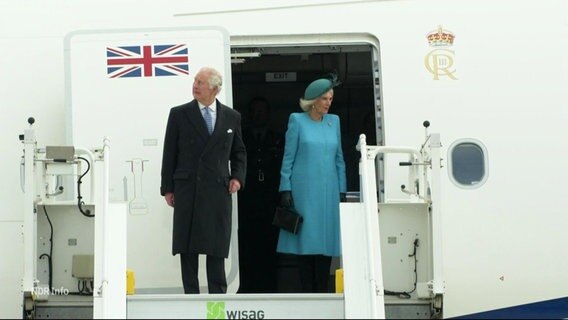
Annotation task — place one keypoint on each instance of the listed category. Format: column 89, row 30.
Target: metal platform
column 233, row 306
column 65, row 307
column 230, row 306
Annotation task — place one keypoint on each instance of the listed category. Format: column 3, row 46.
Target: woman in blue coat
column 312, row 180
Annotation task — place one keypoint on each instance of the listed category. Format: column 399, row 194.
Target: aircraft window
column 468, row 163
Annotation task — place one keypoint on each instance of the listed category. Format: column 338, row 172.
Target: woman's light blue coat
column 314, row 170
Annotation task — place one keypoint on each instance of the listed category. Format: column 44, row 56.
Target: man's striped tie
column 208, row 120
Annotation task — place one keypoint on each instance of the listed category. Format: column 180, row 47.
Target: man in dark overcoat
column 203, row 164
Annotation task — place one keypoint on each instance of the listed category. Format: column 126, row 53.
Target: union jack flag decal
column 147, row 61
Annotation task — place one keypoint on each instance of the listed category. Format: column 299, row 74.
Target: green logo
column 215, row 310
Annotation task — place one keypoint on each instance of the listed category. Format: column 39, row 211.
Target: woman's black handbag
column 287, row 219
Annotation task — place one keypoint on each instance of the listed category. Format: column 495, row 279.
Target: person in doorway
column 312, row 180
column 203, row 164
column 257, row 235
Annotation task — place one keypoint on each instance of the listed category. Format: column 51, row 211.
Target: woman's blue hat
column 319, row 87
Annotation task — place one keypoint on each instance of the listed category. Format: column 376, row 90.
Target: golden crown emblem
column 440, row 37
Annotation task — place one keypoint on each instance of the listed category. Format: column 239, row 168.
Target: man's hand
column 234, row 185
column 169, row 199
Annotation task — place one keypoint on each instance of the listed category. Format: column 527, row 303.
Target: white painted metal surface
column 29, row 227
column 11, row 270
column 236, row 306
column 360, row 286
column 110, row 247
column 375, row 286
column 437, row 213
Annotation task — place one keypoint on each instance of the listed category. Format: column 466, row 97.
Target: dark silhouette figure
column 257, row 202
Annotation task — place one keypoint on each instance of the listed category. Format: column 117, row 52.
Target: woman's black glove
column 286, row 199
column 343, row 197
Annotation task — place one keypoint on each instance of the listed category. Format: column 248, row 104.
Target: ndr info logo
column 216, row 310
column 45, row 291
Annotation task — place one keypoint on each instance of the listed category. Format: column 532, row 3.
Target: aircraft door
column 122, row 84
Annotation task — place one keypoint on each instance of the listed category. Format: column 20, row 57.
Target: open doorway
column 280, row 75
column 276, row 72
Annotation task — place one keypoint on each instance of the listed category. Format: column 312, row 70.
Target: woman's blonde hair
column 306, row 105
